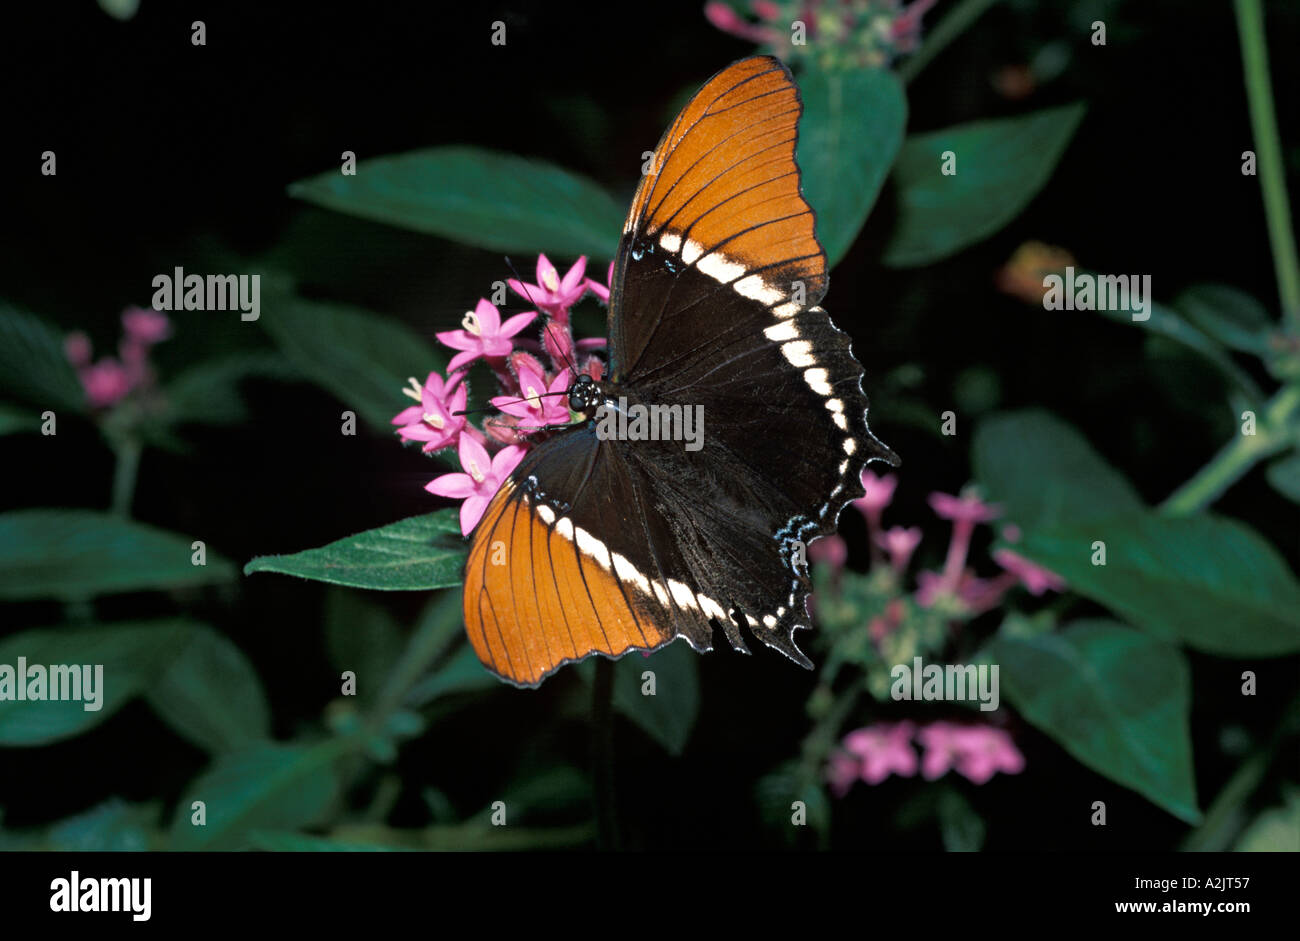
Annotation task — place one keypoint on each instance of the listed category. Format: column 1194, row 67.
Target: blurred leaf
column 1284, row 475
column 419, row 553
column 960, row 826
column 120, row 9
column 1276, row 830
column 1232, row 317
column 461, row 673
column 33, row 366
column 211, row 695
column 849, row 134
column 363, row 637
column 208, row 394
column 1115, row 699
column 1206, row 581
column 132, row 657
column 669, row 715
column 111, row 827
column 1045, row 473
column 15, row 418
column 265, row 786
column 1001, row 165
column 279, row 841
column 73, row 555
column 776, row 793
column 473, row 836
column 361, row 358
column 480, row 197
column 553, row 789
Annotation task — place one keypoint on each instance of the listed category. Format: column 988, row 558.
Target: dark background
column 173, row 155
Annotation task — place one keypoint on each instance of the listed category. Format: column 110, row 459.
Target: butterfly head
column 585, row 394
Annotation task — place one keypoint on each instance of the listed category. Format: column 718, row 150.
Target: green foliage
column 33, row 367
column 1000, row 166
column 492, row 200
column 72, row 555
column 208, row 393
column 669, row 715
column 849, row 134
column 1228, row 315
column 415, row 554
column 1115, row 699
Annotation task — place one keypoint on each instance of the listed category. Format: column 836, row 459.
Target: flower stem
column 1237, row 457
column 949, row 28
column 1263, row 121
column 127, row 451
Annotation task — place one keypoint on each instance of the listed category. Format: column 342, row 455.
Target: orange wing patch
column 536, row 597
column 724, row 178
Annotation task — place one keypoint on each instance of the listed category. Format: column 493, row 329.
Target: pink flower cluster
column 847, row 33
column 532, row 398
column 873, row 753
column 109, row 379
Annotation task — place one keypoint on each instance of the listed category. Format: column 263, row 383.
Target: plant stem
column 1237, row 457
column 127, row 451
column 1268, row 151
column 602, row 741
column 949, row 28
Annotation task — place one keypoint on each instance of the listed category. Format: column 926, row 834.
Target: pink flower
column 976, row 751
column 906, row 30
column 729, row 21
column 601, row 290
column 478, row 485
column 900, row 542
column 76, row 346
column 841, row 771
column 968, row 508
column 830, row 549
column 1035, row 578
column 538, row 404
column 551, row 293
column 880, row 492
column 984, row 751
column 434, row 421
column 882, row 625
column 106, row 383
column 145, row 326
column 483, row 334
column 883, row 749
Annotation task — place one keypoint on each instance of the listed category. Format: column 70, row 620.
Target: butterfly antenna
column 493, row 408
column 573, row 370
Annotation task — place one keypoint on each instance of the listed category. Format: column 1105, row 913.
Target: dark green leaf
column 279, row 841
column 1115, row 699
column 850, row 132
column 362, row 358
column 416, row 554
column 209, row 394
column 363, row 637
column 1284, row 475
column 669, row 715
column 1207, row 581
column 480, row 197
column 460, row 673
column 17, row 418
column 132, row 657
column 1045, row 473
column 77, row 554
column 111, row 827
column 1000, row 166
column 1232, row 317
column 211, row 695
column 33, row 366
column 268, row 785
column 960, row 826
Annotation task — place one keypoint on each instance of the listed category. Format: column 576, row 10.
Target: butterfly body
column 626, row 542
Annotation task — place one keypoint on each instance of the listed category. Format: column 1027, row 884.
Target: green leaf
column 1000, row 166
column 416, row 554
column 208, row 394
column 669, row 715
column 1232, row 317
column 16, row 418
column 73, row 555
column 960, row 825
column 111, row 827
column 1206, row 581
column 131, row 656
column 462, row 672
column 363, row 637
column 850, row 132
column 1276, row 830
column 33, row 366
column 1115, row 699
column 211, row 696
column 1284, row 475
column 266, row 786
column 363, row 359
column 279, row 841
column 1045, row 473
column 480, row 197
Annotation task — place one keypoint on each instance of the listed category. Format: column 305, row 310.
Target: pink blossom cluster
column 109, row 380
column 846, row 33
column 532, row 377
column 873, row 753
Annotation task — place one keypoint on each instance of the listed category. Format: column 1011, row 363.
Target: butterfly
column 597, row 543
